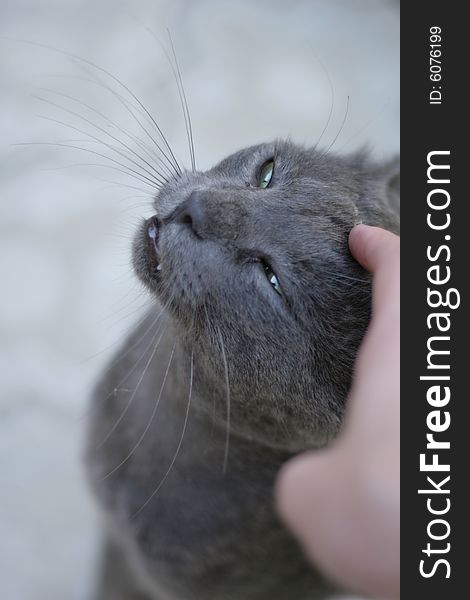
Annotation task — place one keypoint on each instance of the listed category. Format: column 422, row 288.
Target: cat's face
column 251, row 259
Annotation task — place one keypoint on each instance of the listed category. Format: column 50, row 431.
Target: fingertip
column 371, row 245
column 298, row 488
column 286, row 486
column 358, row 237
column 292, row 490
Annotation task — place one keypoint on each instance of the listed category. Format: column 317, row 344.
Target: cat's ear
column 388, row 175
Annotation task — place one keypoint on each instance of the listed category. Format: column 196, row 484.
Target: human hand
column 342, row 503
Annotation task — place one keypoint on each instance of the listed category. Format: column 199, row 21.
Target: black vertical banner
column 435, row 258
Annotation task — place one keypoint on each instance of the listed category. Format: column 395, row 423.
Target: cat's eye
column 265, row 174
column 272, row 278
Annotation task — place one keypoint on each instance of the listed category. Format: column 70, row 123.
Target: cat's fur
column 192, row 517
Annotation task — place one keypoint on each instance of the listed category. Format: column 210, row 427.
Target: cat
column 244, row 360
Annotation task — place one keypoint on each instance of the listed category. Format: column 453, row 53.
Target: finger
column 377, row 364
column 341, row 519
column 373, row 247
column 378, row 251
column 309, row 494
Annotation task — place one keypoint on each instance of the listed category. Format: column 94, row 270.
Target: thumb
column 319, row 499
column 310, row 500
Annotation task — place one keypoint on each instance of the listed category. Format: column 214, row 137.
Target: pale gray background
column 253, row 71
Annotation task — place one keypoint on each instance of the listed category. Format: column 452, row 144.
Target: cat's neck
column 211, row 406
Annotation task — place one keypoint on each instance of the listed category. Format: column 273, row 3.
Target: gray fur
column 282, row 364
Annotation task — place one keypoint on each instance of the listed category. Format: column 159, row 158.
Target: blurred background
column 253, row 70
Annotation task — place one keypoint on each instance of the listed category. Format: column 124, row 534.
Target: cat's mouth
column 153, row 239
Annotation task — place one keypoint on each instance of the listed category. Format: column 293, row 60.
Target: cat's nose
column 193, row 213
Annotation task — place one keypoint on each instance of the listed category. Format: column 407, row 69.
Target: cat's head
column 251, row 260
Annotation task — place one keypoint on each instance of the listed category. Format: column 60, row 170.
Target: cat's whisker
column 128, row 171
column 84, row 61
column 119, row 341
column 173, row 161
column 227, row 387
column 157, row 179
column 117, row 184
column 141, row 107
column 124, row 316
column 137, row 387
column 152, row 416
column 207, row 325
column 358, row 132
column 149, row 193
column 139, row 341
column 346, row 112
column 350, row 284
column 353, row 287
column 180, row 86
column 132, row 202
column 102, row 400
column 133, row 138
column 172, row 169
column 180, row 442
column 332, row 102
column 343, row 276
column 184, row 103
column 129, row 373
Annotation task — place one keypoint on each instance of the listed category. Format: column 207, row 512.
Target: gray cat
column 244, row 360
